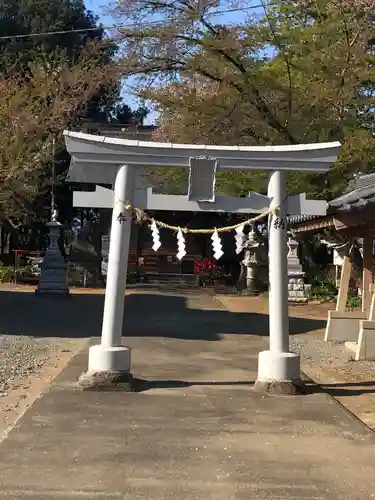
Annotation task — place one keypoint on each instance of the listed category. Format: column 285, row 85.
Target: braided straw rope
column 140, row 216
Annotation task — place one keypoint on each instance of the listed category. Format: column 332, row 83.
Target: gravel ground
column 28, row 366
column 38, row 335
column 351, row 383
column 315, row 351
column 20, row 357
column 37, row 340
column 331, row 357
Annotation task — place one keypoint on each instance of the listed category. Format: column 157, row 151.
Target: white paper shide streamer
column 180, row 245
column 216, row 245
column 239, row 238
column 155, row 236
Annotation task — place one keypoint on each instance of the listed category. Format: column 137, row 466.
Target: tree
column 302, row 71
column 34, row 109
column 36, row 105
column 21, row 17
column 69, row 27
column 123, row 114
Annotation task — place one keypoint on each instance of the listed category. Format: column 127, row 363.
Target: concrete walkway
column 198, row 433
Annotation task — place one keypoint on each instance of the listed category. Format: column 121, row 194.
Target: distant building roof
column 124, row 131
column 359, row 194
column 296, row 219
column 357, row 198
column 361, row 182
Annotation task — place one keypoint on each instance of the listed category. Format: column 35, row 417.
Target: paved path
column 198, row 433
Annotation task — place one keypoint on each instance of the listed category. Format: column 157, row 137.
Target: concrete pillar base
column 280, row 388
column 279, row 373
column 107, row 381
column 109, row 369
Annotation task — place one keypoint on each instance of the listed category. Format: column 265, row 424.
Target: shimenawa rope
column 140, row 215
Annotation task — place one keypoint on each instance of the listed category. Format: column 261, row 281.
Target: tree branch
column 258, row 101
column 285, row 59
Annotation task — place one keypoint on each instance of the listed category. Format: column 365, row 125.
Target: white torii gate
column 105, row 160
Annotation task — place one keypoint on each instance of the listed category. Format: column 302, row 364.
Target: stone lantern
column 53, row 276
column 297, row 290
column 253, row 259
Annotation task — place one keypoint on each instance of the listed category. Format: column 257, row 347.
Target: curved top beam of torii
column 99, row 152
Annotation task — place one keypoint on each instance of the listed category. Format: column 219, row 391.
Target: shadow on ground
column 150, row 315
column 146, row 385
column 348, row 389
column 335, row 390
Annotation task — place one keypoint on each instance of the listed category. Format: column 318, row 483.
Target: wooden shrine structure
column 350, row 217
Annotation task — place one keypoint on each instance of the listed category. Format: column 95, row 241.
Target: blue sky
column 99, row 7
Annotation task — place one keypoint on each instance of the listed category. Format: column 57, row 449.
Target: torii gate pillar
column 278, row 369
column 110, row 361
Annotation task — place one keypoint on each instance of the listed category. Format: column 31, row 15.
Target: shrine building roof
column 359, row 195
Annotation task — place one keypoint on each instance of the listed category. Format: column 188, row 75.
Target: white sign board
column 337, row 260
